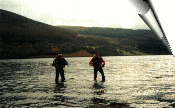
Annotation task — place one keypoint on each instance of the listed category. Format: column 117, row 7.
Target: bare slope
column 126, row 39
column 22, row 37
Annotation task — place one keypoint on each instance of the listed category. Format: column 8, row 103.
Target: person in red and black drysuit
column 96, row 62
column 59, row 64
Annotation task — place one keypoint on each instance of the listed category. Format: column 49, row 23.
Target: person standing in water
column 96, row 62
column 59, row 63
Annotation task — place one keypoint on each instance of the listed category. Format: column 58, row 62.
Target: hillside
column 22, row 37
column 27, row 30
column 81, row 53
column 126, row 39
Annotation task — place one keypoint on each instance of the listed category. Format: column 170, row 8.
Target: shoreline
column 68, row 56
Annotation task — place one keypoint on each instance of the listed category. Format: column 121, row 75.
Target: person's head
column 96, row 54
column 59, row 55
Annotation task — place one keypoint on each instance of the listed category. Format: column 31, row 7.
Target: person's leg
column 57, row 75
column 102, row 74
column 95, row 73
column 62, row 75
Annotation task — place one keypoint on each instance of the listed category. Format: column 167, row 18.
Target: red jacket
column 99, row 64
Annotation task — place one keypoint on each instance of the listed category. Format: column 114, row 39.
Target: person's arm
column 66, row 63
column 103, row 61
column 91, row 62
column 53, row 64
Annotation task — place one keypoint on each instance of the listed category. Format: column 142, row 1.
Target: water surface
column 131, row 81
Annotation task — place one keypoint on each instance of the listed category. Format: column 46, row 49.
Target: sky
column 89, row 13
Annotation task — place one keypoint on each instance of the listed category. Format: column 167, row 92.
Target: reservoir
column 131, row 81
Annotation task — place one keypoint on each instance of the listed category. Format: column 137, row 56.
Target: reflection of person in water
column 96, row 61
column 59, row 88
column 59, row 64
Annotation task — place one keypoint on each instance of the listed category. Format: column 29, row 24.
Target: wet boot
column 56, row 80
column 63, row 79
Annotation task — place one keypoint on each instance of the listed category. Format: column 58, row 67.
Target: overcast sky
column 90, row 13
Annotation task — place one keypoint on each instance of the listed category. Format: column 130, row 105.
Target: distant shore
column 81, row 53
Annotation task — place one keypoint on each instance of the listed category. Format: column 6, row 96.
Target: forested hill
column 16, row 28
column 22, row 37
column 143, row 40
column 111, row 32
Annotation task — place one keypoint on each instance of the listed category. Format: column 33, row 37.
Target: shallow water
column 131, row 81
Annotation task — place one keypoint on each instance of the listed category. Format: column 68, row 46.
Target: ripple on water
column 130, row 81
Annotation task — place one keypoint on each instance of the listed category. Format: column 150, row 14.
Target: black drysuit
column 59, row 64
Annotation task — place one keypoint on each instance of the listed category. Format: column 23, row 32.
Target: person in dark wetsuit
column 59, row 64
column 96, row 62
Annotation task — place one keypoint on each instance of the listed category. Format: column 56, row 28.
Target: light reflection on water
column 131, row 81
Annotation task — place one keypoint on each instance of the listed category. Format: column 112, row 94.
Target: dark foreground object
column 102, row 103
